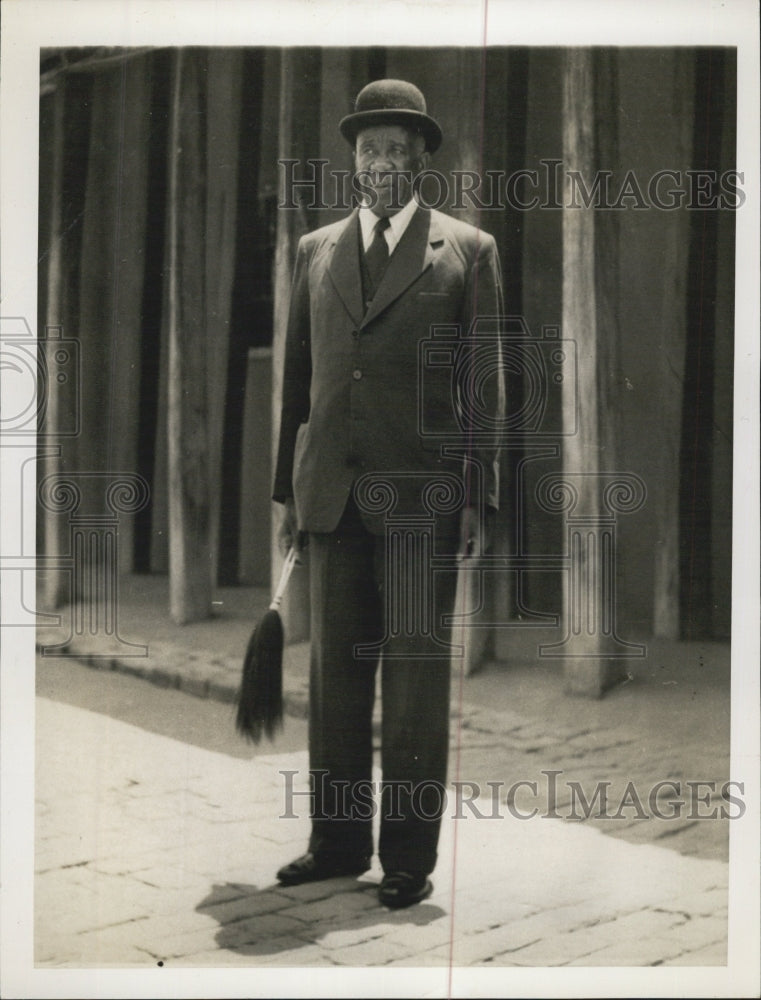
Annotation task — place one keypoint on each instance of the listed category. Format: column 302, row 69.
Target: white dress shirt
column 395, row 231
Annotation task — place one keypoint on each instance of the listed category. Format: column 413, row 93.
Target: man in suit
column 366, row 407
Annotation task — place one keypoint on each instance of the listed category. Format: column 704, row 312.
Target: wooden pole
column 131, row 88
column 190, row 503
column 224, row 88
column 55, row 533
column 537, row 532
column 669, row 385
column 111, row 282
column 589, row 319
column 723, row 368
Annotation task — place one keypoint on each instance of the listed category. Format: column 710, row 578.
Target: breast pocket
column 437, row 306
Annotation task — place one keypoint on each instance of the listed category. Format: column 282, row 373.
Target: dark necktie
column 376, row 256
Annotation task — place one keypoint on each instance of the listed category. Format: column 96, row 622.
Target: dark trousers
column 348, row 589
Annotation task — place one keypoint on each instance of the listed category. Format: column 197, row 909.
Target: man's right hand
column 288, row 534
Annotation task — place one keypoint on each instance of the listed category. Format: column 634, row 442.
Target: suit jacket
column 402, row 386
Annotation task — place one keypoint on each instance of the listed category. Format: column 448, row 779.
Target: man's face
column 396, row 156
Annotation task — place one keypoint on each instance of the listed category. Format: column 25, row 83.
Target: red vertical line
column 592, row 582
column 115, row 266
column 696, row 423
column 468, row 451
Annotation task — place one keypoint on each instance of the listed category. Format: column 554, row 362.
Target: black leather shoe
column 315, row 868
column 400, row 889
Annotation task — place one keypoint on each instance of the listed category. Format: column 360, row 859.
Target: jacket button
column 356, row 374
column 355, row 334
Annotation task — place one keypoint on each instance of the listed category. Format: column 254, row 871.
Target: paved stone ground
column 150, row 851
column 671, row 724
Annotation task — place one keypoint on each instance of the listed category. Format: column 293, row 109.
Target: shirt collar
column 396, row 229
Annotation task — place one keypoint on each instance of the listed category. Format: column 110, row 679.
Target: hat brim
column 416, row 121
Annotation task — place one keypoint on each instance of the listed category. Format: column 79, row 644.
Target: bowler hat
column 391, row 102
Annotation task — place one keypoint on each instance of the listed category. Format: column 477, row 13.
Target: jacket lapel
column 344, row 269
column 413, row 256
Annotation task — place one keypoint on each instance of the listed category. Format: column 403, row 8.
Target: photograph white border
column 29, row 25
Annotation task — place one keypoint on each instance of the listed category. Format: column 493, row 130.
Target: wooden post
column 453, row 85
column 336, row 99
column 131, row 95
column 223, row 115
column 190, row 503
column 699, row 437
column 504, row 148
column 669, row 384
column 723, row 367
column 159, row 553
column 536, row 532
column 111, row 280
column 54, row 528
column 589, row 313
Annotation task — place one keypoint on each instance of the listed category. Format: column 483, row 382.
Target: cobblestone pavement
column 644, row 739
column 151, row 851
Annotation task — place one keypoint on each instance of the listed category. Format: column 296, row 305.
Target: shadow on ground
column 268, row 921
